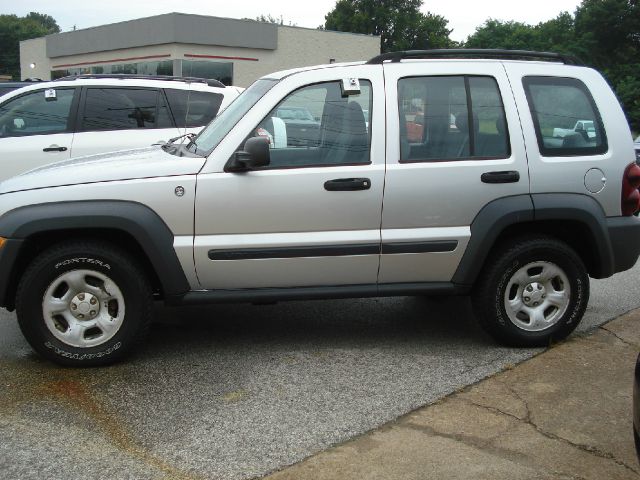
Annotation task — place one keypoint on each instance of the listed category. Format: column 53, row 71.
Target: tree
column 13, row 29
column 604, row 34
column 399, row 23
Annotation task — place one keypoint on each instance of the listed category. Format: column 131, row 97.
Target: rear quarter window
column 565, row 117
column 192, row 108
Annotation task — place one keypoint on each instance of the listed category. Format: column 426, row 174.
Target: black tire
column 132, row 310
column 510, row 262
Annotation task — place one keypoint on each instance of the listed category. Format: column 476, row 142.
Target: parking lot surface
column 237, row 391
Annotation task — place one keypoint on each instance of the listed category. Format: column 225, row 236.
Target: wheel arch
column 576, row 219
column 130, row 225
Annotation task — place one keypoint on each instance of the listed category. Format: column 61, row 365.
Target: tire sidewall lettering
column 82, row 260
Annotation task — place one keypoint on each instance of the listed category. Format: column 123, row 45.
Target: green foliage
column 13, row 29
column 603, row 33
column 399, row 23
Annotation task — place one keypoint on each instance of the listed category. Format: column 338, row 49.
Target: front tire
column 84, row 304
column 532, row 292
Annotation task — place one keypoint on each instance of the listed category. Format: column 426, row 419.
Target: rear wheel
column 533, row 291
column 84, row 304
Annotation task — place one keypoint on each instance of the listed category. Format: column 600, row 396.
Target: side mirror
column 255, row 154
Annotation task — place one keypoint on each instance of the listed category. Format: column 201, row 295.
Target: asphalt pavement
column 238, row 391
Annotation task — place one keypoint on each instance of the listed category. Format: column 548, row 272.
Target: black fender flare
column 504, row 212
column 137, row 220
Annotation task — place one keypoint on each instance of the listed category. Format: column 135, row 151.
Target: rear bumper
column 624, row 233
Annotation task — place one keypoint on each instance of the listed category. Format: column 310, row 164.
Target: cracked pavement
column 565, row 414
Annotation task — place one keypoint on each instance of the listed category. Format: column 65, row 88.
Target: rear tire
column 532, row 292
column 84, row 303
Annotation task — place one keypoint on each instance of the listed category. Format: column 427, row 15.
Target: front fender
column 137, row 220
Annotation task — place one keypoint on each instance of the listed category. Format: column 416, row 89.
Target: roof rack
column 475, row 52
column 209, row 81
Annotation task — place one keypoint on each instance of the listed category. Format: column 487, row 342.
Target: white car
column 85, row 115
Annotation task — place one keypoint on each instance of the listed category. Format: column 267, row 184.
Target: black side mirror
column 254, row 154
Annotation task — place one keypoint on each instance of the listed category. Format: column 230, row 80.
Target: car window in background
column 192, row 108
column 36, row 113
column 120, row 108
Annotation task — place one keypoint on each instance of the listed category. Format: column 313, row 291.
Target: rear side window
column 120, row 109
column 445, row 118
column 193, row 109
column 566, row 119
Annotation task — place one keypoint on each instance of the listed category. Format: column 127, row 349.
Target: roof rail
column 209, row 81
column 476, row 52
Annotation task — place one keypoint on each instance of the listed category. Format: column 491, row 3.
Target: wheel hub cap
column 84, row 306
column 537, row 296
column 534, row 294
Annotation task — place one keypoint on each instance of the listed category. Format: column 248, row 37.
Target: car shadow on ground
column 337, row 323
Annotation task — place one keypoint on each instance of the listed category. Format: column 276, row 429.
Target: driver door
column 312, row 216
column 36, row 129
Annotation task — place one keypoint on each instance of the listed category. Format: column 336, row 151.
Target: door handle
column 510, row 176
column 54, row 148
column 347, row 184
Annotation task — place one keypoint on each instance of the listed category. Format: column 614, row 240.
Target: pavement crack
column 626, row 342
column 471, row 441
column 552, row 436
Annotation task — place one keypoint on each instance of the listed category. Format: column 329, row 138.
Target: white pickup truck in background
column 586, row 126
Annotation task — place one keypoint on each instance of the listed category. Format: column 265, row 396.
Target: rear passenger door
column 454, row 144
column 121, row 118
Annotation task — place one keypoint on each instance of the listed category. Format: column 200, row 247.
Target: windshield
column 213, row 134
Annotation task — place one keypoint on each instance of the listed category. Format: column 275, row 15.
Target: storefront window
column 221, row 71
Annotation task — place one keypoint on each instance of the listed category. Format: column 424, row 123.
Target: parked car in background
column 636, row 145
column 6, row 87
column 85, row 115
column 302, row 128
column 584, row 127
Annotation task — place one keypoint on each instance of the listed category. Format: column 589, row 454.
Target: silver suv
column 478, row 197
column 48, row 122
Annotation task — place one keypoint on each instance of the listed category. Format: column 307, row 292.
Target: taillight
column 630, row 201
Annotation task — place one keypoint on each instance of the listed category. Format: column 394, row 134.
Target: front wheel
column 84, row 304
column 532, row 292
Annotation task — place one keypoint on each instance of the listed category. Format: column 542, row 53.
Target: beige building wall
column 34, row 52
column 297, row 47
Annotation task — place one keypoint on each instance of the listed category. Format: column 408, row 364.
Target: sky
column 463, row 15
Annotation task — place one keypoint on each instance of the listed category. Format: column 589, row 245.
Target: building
column 233, row 51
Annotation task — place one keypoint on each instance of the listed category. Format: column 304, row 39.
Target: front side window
column 318, row 125
column 211, row 136
column 193, row 108
column 566, row 119
column 37, row 113
column 120, row 109
column 445, row 118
